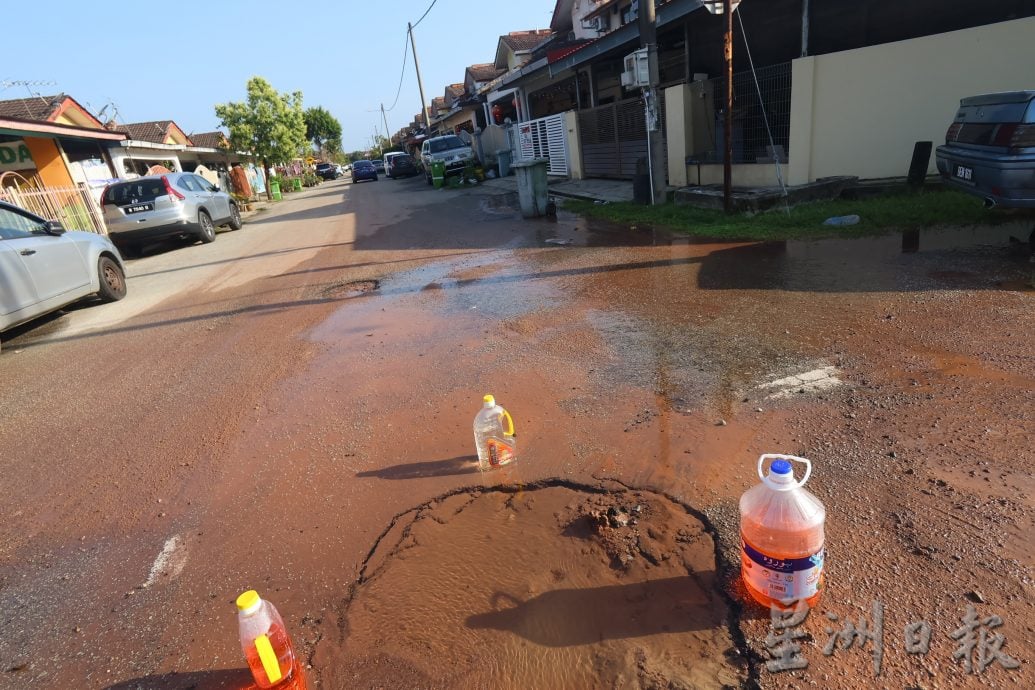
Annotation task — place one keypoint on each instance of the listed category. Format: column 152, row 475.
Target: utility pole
column 420, row 82
column 727, row 130
column 655, row 154
column 386, row 123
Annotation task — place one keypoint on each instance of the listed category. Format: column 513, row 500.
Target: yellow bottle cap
column 248, row 600
column 489, row 399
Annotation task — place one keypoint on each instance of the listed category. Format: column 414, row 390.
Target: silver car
column 989, row 149
column 44, row 268
column 170, row 205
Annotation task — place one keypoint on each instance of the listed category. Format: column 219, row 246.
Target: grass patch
column 878, row 214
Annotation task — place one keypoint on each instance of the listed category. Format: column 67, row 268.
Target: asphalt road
column 289, row 409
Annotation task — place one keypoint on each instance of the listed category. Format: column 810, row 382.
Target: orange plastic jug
column 781, row 536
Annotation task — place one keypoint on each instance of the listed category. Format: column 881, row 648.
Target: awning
column 18, row 127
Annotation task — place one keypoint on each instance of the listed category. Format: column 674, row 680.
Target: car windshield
column 362, row 164
column 402, row 158
column 446, row 143
column 135, row 191
column 324, row 166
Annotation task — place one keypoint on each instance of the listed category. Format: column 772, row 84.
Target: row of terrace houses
column 55, row 142
column 822, row 87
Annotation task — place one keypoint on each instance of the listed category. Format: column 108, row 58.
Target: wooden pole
column 420, row 82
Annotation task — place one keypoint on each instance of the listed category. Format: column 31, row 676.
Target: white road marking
column 170, row 561
column 813, row 381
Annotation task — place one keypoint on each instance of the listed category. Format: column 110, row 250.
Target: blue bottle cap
column 780, row 467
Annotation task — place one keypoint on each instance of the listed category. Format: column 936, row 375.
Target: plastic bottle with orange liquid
column 495, row 442
column 781, row 536
column 266, row 644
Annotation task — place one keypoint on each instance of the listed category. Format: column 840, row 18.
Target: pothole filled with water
column 352, row 288
column 552, row 586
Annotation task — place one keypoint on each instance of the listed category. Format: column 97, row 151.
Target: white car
column 44, row 268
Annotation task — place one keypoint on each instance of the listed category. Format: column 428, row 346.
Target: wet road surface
column 289, row 409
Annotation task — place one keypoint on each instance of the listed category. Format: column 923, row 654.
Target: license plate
column 137, row 208
column 964, row 173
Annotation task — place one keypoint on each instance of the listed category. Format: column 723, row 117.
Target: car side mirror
column 54, row 227
column 215, row 188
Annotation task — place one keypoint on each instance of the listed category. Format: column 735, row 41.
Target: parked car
column 989, row 149
column 170, row 205
column 388, row 161
column 328, row 171
column 44, row 268
column 450, row 150
column 379, row 165
column 401, row 165
column 363, row 170
column 347, row 168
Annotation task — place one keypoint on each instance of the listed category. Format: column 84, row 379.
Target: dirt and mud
column 302, row 426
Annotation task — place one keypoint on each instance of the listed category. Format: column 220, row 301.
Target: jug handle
column 510, row 423
column 778, row 456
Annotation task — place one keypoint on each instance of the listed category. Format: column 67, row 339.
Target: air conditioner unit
column 636, row 73
column 594, row 24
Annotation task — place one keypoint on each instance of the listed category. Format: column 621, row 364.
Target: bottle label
column 500, row 453
column 784, row 579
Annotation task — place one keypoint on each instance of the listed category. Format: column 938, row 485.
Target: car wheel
column 207, row 231
column 235, row 218
column 111, row 278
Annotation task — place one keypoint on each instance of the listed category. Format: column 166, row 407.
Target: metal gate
column 546, row 137
column 75, row 207
column 614, row 137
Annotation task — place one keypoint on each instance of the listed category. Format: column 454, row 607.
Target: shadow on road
column 570, row 617
column 463, row 464
column 225, row 679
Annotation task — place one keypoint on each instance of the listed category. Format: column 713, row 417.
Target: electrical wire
column 765, row 116
column 402, row 73
column 425, row 13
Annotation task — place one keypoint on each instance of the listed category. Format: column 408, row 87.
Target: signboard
column 525, row 136
column 15, row 156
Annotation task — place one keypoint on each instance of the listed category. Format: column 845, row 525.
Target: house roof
column 49, row 109
column 485, row 71
column 155, row 131
column 521, row 41
column 40, row 108
column 208, row 140
column 455, row 90
column 561, row 19
column 437, row 103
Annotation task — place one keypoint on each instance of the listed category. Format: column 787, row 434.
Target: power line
column 402, row 74
column 425, row 14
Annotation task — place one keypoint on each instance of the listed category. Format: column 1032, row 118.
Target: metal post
column 804, row 28
column 655, row 154
column 420, row 82
column 727, row 130
column 386, row 124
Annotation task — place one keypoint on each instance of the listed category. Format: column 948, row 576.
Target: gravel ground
column 272, row 412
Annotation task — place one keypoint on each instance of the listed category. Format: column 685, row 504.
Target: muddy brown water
column 318, row 447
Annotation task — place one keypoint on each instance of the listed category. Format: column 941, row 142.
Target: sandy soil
column 299, row 422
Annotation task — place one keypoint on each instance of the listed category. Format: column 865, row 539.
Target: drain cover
column 352, row 288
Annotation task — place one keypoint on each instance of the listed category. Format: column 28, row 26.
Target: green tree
column 323, row 130
column 269, row 125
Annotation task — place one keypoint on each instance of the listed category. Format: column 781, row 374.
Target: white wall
column 859, row 112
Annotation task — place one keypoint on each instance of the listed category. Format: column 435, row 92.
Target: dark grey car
column 170, row 205
column 989, row 149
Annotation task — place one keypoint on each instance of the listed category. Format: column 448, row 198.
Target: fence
column 750, row 138
column 73, row 206
column 546, row 137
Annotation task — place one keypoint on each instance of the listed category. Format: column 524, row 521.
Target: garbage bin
column 531, row 184
column 296, row 184
column 503, row 162
column 438, row 173
column 275, row 190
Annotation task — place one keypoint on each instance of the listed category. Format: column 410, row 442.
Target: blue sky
column 176, row 60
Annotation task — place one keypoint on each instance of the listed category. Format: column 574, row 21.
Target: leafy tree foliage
column 270, row 125
column 323, row 130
